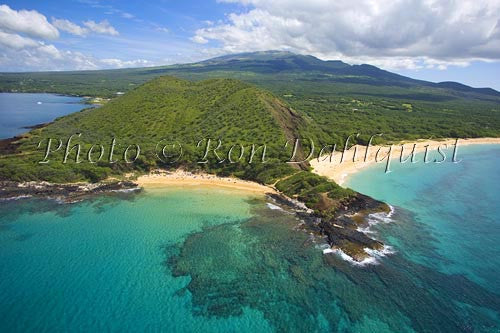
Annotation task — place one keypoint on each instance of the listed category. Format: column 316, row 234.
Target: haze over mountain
column 282, row 61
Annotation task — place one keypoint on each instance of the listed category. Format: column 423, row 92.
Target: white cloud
column 15, row 41
column 102, row 27
column 70, row 27
column 127, row 15
column 29, row 22
column 118, row 63
column 23, row 45
column 162, row 29
column 412, row 63
column 396, row 33
column 47, row 57
column 199, row 39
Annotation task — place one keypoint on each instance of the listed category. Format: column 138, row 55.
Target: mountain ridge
column 338, row 67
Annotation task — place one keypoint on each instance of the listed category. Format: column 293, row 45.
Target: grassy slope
column 179, row 110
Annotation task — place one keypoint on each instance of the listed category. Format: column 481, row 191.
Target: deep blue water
column 211, row 260
column 18, row 110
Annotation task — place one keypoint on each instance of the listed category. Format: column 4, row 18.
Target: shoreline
column 65, row 193
column 341, row 171
column 181, row 178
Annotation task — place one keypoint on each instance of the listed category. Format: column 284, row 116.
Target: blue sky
column 433, row 40
column 156, row 31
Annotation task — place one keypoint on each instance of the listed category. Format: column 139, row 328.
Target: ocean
column 456, row 203
column 219, row 260
column 18, row 110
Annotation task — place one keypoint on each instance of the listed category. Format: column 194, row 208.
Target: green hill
column 165, row 112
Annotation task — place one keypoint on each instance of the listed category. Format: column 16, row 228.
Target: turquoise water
column 457, row 203
column 18, row 110
column 184, row 260
column 100, row 265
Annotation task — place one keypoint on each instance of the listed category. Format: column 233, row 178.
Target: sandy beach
column 339, row 170
column 161, row 178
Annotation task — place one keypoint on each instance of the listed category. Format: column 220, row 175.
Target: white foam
column 389, row 215
column 373, row 255
column 376, row 218
column 126, row 190
column 16, row 198
column 273, row 207
column 366, row 230
column 385, row 251
column 367, row 261
column 323, row 247
column 372, row 259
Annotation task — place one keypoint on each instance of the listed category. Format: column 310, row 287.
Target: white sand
column 340, row 171
column 161, row 178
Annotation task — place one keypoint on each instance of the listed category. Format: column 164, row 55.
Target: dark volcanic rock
column 287, row 202
column 337, row 235
column 63, row 192
column 340, row 230
column 10, row 145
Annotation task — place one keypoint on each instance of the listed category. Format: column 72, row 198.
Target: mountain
column 462, row 87
column 273, row 62
column 281, row 62
column 266, row 63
